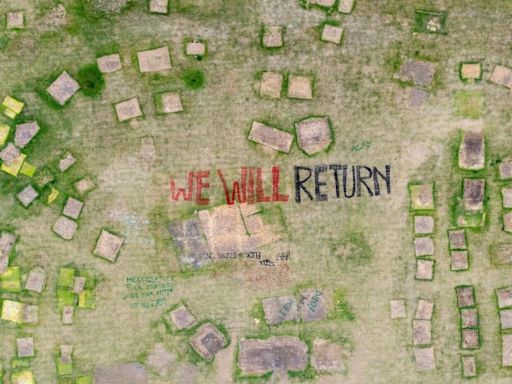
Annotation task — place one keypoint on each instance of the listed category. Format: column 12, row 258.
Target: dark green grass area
column 91, row 80
column 93, row 25
column 4, row 41
column 240, row 378
column 225, row 9
column 342, row 309
column 95, row 10
column 305, row 376
column 393, row 58
column 352, row 248
column 273, row 216
column 9, row 187
column 85, row 17
column 107, row 47
column 193, row 78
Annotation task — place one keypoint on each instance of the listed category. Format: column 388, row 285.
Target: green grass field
column 358, row 251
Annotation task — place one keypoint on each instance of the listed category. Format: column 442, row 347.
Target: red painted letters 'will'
column 243, row 190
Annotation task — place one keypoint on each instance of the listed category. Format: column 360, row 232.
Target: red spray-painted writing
column 249, row 188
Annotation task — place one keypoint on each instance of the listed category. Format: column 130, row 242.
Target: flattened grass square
column 22, row 377
column 10, row 281
column 469, row 104
column 28, row 169
column 12, row 104
column 422, row 196
column 86, row 299
column 12, row 311
column 84, row 380
column 64, row 369
column 66, row 277
column 66, row 298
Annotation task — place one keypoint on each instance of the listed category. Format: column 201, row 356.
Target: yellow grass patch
column 4, row 132
column 12, row 311
column 13, row 104
column 53, row 195
column 9, row 113
column 22, row 377
column 28, row 169
column 15, row 167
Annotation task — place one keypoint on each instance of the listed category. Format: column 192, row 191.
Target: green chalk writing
column 147, row 292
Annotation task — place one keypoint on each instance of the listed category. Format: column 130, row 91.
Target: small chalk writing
column 363, row 145
column 313, row 304
column 267, row 263
column 283, row 312
column 251, row 255
column 147, row 291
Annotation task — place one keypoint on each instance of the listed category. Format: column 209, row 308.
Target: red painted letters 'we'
column 249, row 190
column 187, row 193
